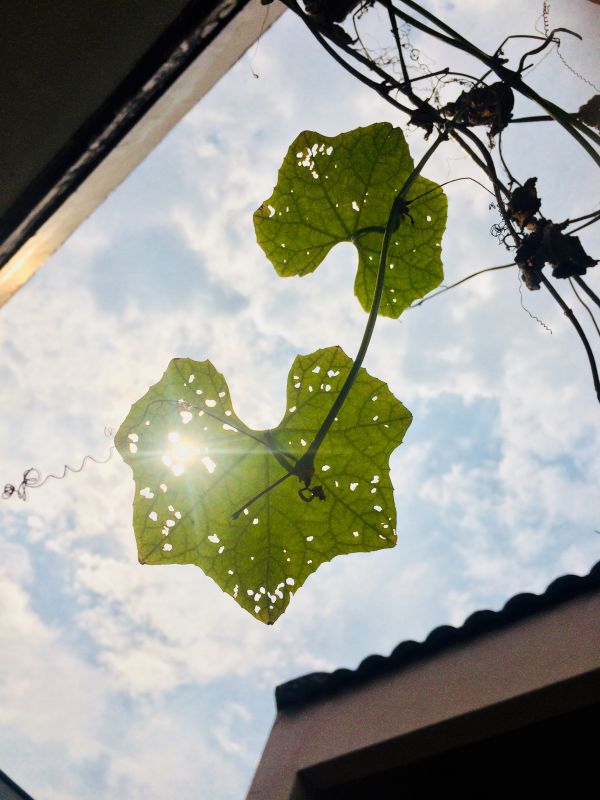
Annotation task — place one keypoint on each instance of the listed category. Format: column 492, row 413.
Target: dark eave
column 320, row 685
column 9, row 789
column 87, row 91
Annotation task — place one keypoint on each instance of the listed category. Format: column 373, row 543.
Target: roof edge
column 315, row 686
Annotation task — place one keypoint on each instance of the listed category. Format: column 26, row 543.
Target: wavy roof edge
column 317, row 685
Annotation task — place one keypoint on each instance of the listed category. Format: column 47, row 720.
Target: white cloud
column 496, row 483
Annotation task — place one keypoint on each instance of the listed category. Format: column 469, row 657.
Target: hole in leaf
column 209, row 464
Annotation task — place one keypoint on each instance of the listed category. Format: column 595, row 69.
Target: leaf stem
column 305, row 465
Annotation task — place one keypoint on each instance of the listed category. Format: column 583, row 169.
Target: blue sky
column 131, row 682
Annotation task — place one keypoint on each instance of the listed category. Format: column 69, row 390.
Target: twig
column 382, row 89
column 539, row 118
column 586, row 224
column 548, row 40
column 585, row 305
column 572, row 125
column 587, row 289
column 584, row 216
column 574, row 321
column 511, row 178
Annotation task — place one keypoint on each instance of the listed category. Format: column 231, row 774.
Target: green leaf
column 196, row 464
column 330, row 189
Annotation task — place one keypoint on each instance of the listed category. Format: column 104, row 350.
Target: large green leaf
column 330, row 189
column 196, row 464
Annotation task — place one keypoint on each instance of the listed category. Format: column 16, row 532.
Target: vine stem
column 583, row 285
column 572, row 125
column 305, row 465
column 574, row 321
column 585, row 305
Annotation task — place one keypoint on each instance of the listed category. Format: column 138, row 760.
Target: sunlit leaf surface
column 335, row 189
column 197, row 467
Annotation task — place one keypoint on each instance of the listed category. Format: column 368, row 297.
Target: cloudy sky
column 144, row 682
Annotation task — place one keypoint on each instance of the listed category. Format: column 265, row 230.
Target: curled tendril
column 31, row 479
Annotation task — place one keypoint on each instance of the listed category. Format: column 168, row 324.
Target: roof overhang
column 88, row 94
column 520, row 682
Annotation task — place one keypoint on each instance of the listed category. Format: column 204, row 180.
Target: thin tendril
column 458, row 283
column 32, row 477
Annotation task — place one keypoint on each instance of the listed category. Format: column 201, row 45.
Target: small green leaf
column 196, row 465
column 330, row 189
